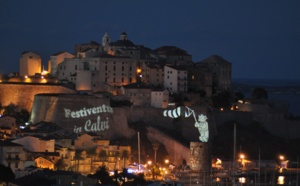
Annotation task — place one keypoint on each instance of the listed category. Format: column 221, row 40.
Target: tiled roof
column 8, row 143
column 170, row 50
column 214, row 59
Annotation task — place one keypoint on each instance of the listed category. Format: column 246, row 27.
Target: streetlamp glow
column 281, row 157
column 242, row 157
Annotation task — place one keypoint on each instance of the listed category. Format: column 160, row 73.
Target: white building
column 159, row 98
column 12, row 155
column 67, row 70
column 36, row 144
column 55, row 60
column 175, row 79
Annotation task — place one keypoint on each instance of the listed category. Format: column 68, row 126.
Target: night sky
column 261, row 38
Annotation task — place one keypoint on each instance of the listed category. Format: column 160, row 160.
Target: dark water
column 278, row 89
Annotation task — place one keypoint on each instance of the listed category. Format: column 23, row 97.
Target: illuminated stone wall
column 199, row 156
column 176, row 150
column 81, row 114
column 23, row 94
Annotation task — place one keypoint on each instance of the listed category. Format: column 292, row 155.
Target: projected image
column 200, row 123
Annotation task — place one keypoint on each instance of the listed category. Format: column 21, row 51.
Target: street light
column 166, row 161
column 242, row 157
column 281, row 157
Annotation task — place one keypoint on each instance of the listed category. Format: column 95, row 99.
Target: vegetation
column 103, row 176
column 260, row 94
column 222, row 100
column 60, row 164
column 21, row 115
column 7, row 174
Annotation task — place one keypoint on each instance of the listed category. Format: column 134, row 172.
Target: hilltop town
column 90, row 107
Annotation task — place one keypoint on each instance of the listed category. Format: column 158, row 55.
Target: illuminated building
column 30, row 64
column 56, row 59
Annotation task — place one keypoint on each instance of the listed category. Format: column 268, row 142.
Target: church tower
column 123, row 36
column 105, row 40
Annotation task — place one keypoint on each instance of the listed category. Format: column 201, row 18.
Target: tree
column 78, row 158
column 103, row 155
column 103, row 175
column 259, row 93
column 91, row 153
column 7, row 174
column 60, row 164
column 222, row 100
column 239, row 96
column 22, row 116
column 10, row 110
column 125, row 156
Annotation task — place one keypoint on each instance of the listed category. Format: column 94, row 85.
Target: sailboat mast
column 234, row 150
column 139, row 155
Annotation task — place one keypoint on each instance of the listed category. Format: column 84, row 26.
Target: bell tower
column 105, row 40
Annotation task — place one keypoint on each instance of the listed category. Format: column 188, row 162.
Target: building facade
column 175, row 79
column 30, row 64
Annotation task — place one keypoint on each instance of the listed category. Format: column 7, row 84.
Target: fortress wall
column 81, row 114
column 23, row 94
column 176, row 150
column 155, row 118
column 286, row 130
column 272, row 122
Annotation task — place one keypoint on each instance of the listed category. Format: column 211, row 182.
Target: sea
column 287, row 90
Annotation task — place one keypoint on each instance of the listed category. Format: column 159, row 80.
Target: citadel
column 105, row 87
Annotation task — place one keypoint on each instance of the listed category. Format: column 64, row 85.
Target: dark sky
column 261, row 38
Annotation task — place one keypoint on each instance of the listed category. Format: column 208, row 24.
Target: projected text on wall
column 98, row 125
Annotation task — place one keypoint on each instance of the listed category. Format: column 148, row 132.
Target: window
column 130, row 68
column 114, row 68
column 122, row 80
column 122, row 68
column 114, row 80
column 130, row 80
column 75, row 67
column 106, row 67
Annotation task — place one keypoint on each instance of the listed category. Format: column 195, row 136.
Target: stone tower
column 199, row 157
column 105, row 40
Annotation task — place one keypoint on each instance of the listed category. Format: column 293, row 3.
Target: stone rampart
column 176, row 150
column 81, row 114
column 22, row 94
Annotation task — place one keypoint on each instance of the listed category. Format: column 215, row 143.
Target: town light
column 281, row 157
column 242, row 157
column 166, row 161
